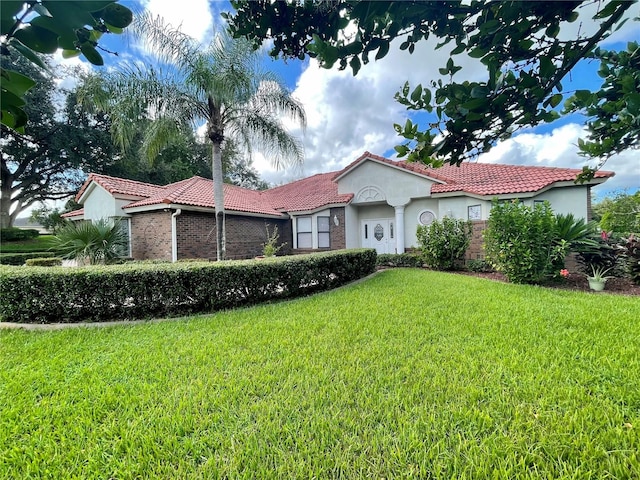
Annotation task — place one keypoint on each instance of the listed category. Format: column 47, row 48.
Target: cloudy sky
column 348, row 115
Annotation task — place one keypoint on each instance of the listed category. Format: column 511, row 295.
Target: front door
column 378, row 234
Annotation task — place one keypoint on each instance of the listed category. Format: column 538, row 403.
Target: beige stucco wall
column 101, row 204
column 397, row 186
column 566, row 200
column 411, row 215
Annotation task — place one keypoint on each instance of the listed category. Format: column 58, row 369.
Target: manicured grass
column 409, row 374
column 42, row 243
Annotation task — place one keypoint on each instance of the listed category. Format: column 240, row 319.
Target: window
column 305, row 235
column 124, row 227
column 426, row 217
column 324, row 239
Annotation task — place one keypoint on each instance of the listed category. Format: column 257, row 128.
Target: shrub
column 44, row 262
column 135, row 291
column 520, row 241
column 632, row 253
column 21, row 258
column 271, row 247
column 399, row 260
column 95, row 242
column 15, row 234
column 479, row 265
column 444, row 243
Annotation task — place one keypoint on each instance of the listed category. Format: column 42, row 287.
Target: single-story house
column 374, row 202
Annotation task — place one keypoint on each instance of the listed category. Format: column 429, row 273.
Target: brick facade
column 336, row 232
column 246, row 236
column 476, row 249
column 151, row 235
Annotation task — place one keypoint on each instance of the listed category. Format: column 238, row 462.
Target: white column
column 399, row 228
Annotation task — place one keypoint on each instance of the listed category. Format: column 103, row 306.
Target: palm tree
column 220, row 84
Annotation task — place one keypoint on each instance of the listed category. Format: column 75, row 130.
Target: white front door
column 379, row 234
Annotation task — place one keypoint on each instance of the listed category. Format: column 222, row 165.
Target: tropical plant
column 599, row 274
column 95, row 242
column 220, row 84
column 444, row 243
column 271, row 246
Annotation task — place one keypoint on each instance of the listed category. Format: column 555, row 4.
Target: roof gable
column 307, row 194
column 118, row 186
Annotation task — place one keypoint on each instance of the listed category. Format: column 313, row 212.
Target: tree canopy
column 44, row 26
column 59, row 143
column 523, row 46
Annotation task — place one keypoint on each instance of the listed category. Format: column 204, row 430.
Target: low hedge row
column 14, row 234
column 400, row 260
column 21, row 258
column 139, row 291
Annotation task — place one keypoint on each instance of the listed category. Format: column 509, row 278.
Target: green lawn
column 42, row 243
column 411, row 373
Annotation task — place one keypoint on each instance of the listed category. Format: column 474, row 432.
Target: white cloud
column 558, row 148
column 193, row 17
column 348, row 115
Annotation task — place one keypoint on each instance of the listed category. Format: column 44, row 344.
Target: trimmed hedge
column 44, row 262
column 139, row 291
column 21, row 258
column 14, row 234
column 400, row 260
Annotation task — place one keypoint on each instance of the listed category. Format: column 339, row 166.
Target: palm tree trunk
column 218, row 198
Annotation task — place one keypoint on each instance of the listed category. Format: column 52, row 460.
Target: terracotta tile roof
column 121, row 186
column 307, row 194
column 74, row 213
column 198, row 192
column 485, row 178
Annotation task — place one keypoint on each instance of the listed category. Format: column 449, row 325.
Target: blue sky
column 348, row 115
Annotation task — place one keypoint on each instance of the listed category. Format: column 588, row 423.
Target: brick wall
column 151, row 235
column 336, row 232
column 245, row 235
column 476, row 249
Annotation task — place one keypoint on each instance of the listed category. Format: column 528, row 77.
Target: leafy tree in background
column 48, row 161
column 520, row 44
column 620, row 213
column 220, row 84
column 44, row 26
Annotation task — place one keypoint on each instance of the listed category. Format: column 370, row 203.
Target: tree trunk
column 218, row 198
column 6, row 219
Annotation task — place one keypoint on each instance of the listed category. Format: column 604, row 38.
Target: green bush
column 44, row 262
column 39, row 244
column 444, row 243
column 520, row 241
column 479, row 265
column 21, row 258
column 138, row 291
column 15, row 234
column 631, row 248
column 399, row 260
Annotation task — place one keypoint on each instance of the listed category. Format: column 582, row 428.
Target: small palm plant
column 92, row 242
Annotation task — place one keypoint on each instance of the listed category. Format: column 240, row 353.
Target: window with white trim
column 324, row 238
column 426, row 217
column 304, row 232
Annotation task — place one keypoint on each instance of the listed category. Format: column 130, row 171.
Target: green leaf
column 70, row 53
column 477, row 53
column 117, row 15
column 355, row 65
column 608, row 10
column 91, row 54
column 16, row 83
column 476, row 104
column 383, row 50
column 402, row 150
column 547, row 68
column 29, row 54
column 555, row 100
column 113, row 29
column 38, row 39
column 479, row 92
column 69, row 14
column 417, row 93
